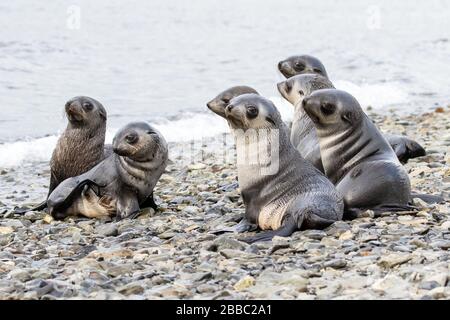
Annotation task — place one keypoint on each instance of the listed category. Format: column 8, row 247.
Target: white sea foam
column 376, row 95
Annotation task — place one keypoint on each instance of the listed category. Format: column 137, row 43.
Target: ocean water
column 161, row 61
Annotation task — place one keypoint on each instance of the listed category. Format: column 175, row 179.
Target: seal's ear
column 269, row 119
column 347, row 117
column 102, row 113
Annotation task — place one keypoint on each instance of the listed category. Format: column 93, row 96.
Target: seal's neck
column 141, row 175
column 343, row 150
column 260, row 153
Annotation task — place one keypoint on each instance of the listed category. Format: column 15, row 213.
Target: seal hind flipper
column 39, row 207
column 404, row 147
column 409, row 150
column 428, row 198
column 354, row 213
column 289, row 227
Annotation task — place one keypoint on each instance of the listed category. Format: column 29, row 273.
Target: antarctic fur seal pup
column 282, row 192
column 219, row 103
column 404, row 147
column 80, row 147
column 121, row 183
column 355, row 155
column 303, row 136
column 301, row 64
column 303, row 133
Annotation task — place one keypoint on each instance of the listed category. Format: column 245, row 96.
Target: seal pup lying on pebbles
column 121, row 183
column 355, row 155
column 303, row 135
column 282, row 192
column 404, row 147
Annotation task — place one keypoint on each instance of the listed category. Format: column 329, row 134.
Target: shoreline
column 171, row 254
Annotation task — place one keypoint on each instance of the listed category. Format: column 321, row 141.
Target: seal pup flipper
column 63, row 196
column 289, row 227
column 243, row 226
column 41, row 206
column 149, row 203
column 428, row 198
column 127, row 205
column 404, row 147
column 354, row 213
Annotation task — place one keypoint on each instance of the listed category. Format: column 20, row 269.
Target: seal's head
column 140, row 142
column 297, row 87
column 218, row 104
column 85, row 111
column 301, row 64
column 333, row 110
column 252, row 111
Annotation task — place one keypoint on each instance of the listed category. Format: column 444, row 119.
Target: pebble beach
column 172, row 254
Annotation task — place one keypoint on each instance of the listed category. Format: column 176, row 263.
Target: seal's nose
column 209, row 105
column 280, row 64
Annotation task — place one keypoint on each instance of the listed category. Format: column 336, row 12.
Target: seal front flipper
column 63, row 196
column 127, row 205
column 149, row 203
column 243, row 226
column 289, row 227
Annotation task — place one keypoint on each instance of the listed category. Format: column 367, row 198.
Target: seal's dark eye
column 225, row 100
column 88, row 106
column 327, row 108
column 252, row 112
column 131, row 138
column 299, row 66
column 151, row 132
column 300, row 92
column 317, row 71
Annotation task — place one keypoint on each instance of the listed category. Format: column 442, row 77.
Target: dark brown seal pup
column 282, row 192
column 81, row 146
column 121, row 183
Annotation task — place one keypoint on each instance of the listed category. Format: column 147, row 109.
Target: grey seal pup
column 303, row 132
column 301, row 64
column 219, row 103
column 121, row 183
column 281, row 191
column 404, row 147
column 355, row 155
